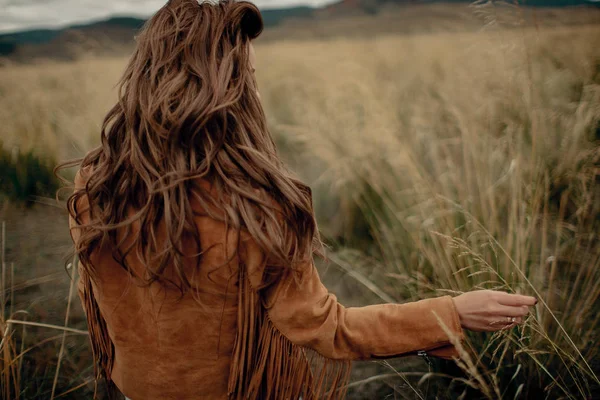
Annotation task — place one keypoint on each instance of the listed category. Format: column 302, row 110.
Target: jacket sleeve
column 308, row 315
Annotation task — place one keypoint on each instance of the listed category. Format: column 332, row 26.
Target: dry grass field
column 440, row 162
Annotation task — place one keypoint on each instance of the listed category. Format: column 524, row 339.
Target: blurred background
column 450, row 146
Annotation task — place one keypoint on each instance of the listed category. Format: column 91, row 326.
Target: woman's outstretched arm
column 308, row 315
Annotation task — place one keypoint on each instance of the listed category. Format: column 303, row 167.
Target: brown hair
column 188, row 110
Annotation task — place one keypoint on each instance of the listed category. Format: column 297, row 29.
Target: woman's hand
column 489, row 310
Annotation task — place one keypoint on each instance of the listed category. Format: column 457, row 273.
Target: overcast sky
column 24, row 14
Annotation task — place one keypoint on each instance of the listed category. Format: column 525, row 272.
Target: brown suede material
column 167, row 347
column 310, row 316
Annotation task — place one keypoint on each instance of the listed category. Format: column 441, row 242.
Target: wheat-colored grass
column 443, row 162
column 471, row 161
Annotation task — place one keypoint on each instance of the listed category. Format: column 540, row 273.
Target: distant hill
column 372, row 6
column 119, row 29
column 117, row 33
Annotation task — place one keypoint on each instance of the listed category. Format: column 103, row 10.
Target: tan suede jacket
column 229, row 340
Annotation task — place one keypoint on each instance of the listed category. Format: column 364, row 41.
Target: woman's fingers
column 507, row 311
column 508, row 299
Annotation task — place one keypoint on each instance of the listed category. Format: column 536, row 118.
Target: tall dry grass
column 440, row 162
column 54, row 108
column 15, row 345
column 445, row 163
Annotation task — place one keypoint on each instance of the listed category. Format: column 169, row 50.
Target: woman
column 196, row 244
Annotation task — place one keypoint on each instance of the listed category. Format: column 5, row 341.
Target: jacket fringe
column 266, row 365
column 102, row 347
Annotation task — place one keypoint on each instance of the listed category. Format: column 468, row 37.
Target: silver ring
column 513, row 320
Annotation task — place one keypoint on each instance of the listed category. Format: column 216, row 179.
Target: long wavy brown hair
column 188, row 111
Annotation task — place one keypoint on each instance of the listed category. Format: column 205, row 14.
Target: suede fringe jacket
column 230, row 340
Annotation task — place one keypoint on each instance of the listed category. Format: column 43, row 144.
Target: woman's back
column 168, row 345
